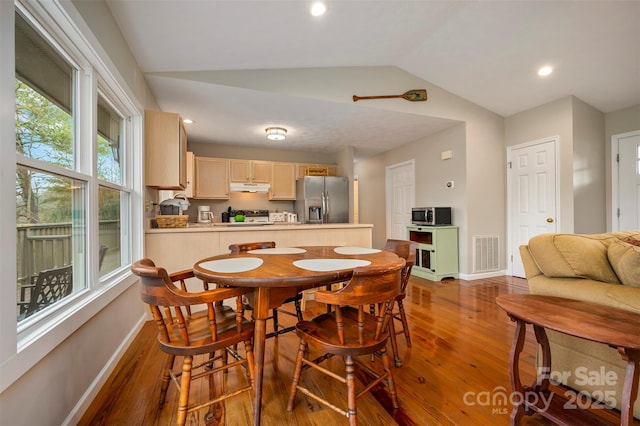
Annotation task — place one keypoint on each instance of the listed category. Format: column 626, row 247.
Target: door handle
column 549, row 220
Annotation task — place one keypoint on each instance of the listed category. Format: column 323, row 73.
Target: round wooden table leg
column 630, row 389
column 514, row 369
column 261, row 313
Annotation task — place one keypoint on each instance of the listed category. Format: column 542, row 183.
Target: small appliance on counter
column 226, row 216
column 431, row 216
column 283, row 217
column 204, row 214
column 277, row 216
column 171, row 212
column 174, row 206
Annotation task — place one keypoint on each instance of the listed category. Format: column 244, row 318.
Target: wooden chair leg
column 215, row 411
column 297, row 303
column 394, row 344
column 405, row 323
column 248, row 348
column 391, row 384
column 185, row 383
column 351, row 391
column 275, row 322
column 296, row 374
column 166, row 377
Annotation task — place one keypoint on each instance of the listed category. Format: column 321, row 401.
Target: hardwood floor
column 456, row 368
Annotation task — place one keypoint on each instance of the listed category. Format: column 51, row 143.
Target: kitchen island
column 179, row 248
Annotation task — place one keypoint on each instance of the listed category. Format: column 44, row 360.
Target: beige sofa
column 600, row 268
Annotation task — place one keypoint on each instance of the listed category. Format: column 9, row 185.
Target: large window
column 73, row 192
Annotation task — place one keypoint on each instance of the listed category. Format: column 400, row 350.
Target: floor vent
column 486, row 253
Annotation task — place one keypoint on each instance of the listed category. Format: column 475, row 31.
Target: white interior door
column 532, row 195
column 400, row 198
column 626, row 188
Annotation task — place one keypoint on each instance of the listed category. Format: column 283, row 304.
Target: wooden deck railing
column 50, row 245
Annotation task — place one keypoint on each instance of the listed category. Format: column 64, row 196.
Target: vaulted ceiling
column 486, row 52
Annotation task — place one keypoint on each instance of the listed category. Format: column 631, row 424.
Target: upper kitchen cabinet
column 165, row 150
column 316, row 170
column 211, row 178
column 283, row 181
column 250, row 171
column 191, row 164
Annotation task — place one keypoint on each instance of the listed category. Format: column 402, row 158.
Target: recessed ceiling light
column 187, row 121
column 318, row 9
column 545, row 71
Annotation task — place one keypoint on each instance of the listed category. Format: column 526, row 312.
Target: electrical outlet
column 148, row 206
column 450, row 184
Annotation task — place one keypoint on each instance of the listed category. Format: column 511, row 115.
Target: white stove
column 254, row 217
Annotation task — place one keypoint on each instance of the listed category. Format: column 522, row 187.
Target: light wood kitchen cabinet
column 191, row 163
column 165, row 150
column 211, row 178
column 250, row 171
column 316, row 170
column 283, row 181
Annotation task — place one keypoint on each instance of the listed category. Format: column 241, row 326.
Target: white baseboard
column 479, row 276
column 92, row 391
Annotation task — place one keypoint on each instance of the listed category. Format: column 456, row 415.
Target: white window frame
column 22, row 347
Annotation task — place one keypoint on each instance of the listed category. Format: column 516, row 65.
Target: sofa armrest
column 530, row 267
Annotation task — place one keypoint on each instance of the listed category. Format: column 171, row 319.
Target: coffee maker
column 204, row 214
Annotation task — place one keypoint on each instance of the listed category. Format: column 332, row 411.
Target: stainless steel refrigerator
column 322, row 199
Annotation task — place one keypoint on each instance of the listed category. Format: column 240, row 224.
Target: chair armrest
column 530, row 266
column 181, row 275
column 183, row 298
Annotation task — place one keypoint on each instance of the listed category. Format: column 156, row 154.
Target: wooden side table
column 585, row 320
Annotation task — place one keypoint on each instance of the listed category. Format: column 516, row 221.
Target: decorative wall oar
column 411, row 95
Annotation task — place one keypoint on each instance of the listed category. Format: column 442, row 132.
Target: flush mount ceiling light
column 545, row 71
column 276, row 133
column 187, row 121
column 318, row 9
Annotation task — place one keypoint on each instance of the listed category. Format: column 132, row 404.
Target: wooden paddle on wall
column 411, row 95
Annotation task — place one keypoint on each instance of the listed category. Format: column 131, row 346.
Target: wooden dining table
column 279, row 273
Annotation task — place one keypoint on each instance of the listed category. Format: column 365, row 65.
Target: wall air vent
column 486, row 253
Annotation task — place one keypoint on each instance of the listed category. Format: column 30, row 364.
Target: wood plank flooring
column 452, row 374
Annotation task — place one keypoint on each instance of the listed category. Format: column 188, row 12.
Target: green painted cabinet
column 437, row 252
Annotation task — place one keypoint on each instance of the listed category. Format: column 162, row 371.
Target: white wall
column 551, row 119
column 582, row 158
column 431, row 173
column 615, row 123
column 589, row 149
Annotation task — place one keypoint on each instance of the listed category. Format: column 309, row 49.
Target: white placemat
column 236, row 264
column 329, row 264
column 278, row 250
column 355, row 250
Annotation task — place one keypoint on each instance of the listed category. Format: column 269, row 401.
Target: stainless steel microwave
column 431, row 216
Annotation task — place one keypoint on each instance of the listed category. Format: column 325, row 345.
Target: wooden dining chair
column 182, row 334
column 407, row 251
column 350, row 330
column 244, row 247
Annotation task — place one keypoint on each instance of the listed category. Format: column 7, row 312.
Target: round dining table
column 279, row 273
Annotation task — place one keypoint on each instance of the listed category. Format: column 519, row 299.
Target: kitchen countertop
column 223, row 227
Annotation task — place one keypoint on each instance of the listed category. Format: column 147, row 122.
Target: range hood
column 249, row 187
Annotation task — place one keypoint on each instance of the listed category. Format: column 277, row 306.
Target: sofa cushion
column 632, row 240
column 625, row 260
column 573, row 256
